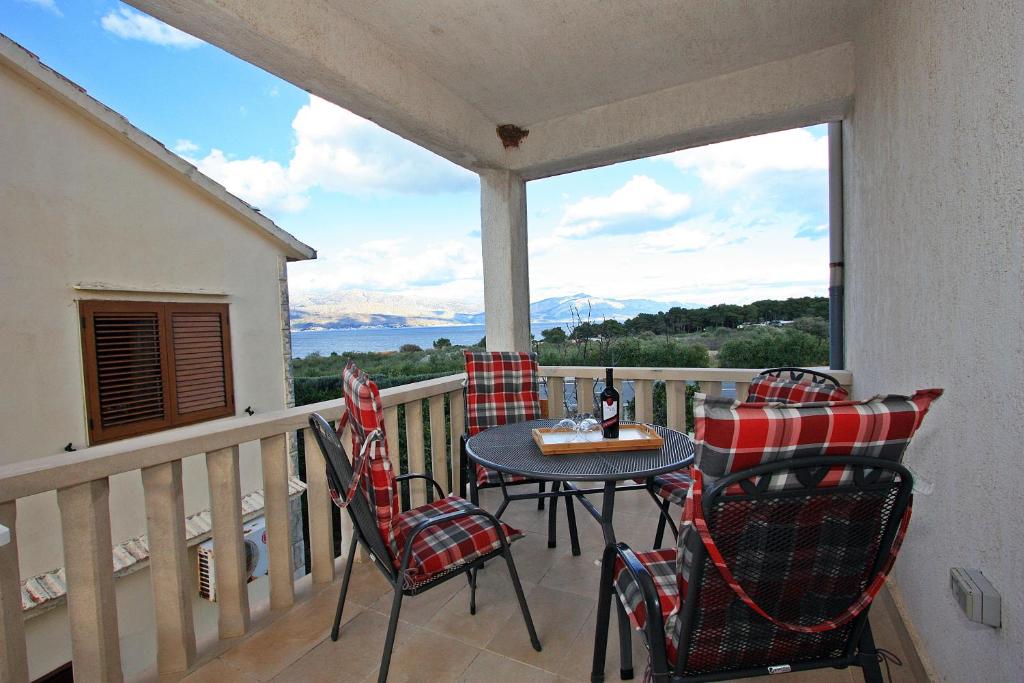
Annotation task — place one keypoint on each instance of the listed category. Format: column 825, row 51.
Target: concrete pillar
column 506, row 260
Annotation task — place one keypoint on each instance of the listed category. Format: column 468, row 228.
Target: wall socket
column 976, row 595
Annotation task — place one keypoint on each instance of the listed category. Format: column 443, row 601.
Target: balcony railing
column 81, row 480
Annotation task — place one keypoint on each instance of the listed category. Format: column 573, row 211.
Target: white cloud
column 640, row 201
column 726, row 164
column 689, row 236
column 335, row 151
column 262, row 183
column 339, row 151
column 131, row 25
column 450, row 269
column 48, row 5
column 739, row 255
column 183, row 146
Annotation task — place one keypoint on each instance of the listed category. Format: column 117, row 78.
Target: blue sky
column 733, row 222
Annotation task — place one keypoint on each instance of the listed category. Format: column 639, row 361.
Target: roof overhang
column 63, row 90
column 593, row 83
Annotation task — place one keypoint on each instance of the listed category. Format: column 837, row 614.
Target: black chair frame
column 557, row 491
column 366, row 534
column 870, row 474
column 665, row 506
column 797, row 373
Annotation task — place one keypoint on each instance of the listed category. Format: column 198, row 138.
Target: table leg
column 604, row 600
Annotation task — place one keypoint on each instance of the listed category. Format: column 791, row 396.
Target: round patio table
column 511, row 449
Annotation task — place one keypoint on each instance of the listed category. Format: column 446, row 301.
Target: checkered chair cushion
column 673, row 486
column 793, row 388
column 732, row 436
column 443, row 548
column 366, row 414
column 662, row 566
column 502, row 388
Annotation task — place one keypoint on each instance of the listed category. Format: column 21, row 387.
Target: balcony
column 283, row 634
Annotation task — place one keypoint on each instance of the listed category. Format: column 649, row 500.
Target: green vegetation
column 725, row 336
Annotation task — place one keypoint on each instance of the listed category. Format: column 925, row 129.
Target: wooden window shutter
column 151, row 366
column 201, row 357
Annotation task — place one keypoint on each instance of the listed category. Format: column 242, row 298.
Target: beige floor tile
column 579, row 575
column 494, row 668
column 427, row 656
column 270, row 651
column 419, row 609
column 578, row 668
column 533, row 557
column 355, row 655
column 367, row 584
column 495, row 603
column 217, row 671
column 558, row 617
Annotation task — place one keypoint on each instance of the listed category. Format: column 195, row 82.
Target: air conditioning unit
column 255, row 536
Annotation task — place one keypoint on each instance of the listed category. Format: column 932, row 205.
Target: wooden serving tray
column 632, row 437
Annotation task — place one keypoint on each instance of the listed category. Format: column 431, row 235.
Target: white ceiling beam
column 804, row 90
column 320, row 49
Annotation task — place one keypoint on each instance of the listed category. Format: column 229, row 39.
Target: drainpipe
column 836, row 355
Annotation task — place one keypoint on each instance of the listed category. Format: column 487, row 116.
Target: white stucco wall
column 934, row 214
column 80, row 205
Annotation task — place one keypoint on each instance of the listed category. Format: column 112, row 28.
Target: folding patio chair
column 786, row 537
column 503, row 387
column 416, row 549
column 778, row 385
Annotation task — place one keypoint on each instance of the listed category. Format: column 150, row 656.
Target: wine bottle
column 609, row 408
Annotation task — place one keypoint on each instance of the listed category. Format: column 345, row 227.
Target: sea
column 326, row 342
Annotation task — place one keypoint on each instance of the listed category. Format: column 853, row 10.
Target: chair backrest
column 502, row 387
column 340, row 476
column 366, row 415
column 803, row 502
column 795, row 385
column 804, row 554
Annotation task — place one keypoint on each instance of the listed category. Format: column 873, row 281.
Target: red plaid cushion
column 449, row 544
column 731, row 436
column 673, row 486
column 366, row 414
column 485, row 476
column 502, row 388
column 662, row 566
column 778, row 389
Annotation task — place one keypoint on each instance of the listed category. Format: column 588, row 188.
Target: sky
column 728, row 223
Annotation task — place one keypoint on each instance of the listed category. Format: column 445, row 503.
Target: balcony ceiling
column 445, row 73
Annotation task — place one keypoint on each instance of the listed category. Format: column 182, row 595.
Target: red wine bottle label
column 609, row 410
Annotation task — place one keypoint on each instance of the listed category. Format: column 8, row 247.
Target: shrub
column 773, row 348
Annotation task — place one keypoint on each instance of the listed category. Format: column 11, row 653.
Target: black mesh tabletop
column 511, row 449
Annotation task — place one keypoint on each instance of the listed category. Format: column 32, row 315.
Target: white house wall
column 935, row 245
column 79, row 206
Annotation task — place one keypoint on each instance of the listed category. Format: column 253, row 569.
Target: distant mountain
column 560, row 309
column 351, row 309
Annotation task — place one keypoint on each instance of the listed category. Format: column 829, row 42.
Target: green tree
column 554, row 335
column 442, row 343
column 409, row 348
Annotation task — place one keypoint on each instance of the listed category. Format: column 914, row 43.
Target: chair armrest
column 654, row 627
column 441, row 519
column 417, row 475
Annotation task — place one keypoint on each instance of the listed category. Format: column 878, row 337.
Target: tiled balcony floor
column 438, row 640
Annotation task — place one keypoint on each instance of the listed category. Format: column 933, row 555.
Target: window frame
column 164, row 310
